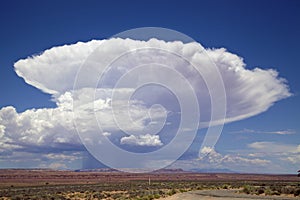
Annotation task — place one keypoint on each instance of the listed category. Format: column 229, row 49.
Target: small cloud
column 142, row 140
column 273, row 147
column 106, row 134
column 57, row 166
column 63, row 156
column 54, row 165
column 279, row 132
column 294, row 159
column 206, row 150
column 277, row 152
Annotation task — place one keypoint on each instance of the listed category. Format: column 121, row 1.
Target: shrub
column 225, row 186
column 260, row 190
column 18, row 197
column 182, row 190
column 287, row 190
column 297, row 192
column 276, row 193
column 247, row 189
column 172, row 192
column 268, row 191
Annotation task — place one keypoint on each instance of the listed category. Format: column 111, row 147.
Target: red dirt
column 16, row 177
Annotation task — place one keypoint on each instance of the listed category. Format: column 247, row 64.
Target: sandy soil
column 222, row 194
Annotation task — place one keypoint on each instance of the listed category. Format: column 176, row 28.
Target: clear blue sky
column 265, row 33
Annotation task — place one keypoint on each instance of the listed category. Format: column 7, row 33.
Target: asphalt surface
column 223, row 194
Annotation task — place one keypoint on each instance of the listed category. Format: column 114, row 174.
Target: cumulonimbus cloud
column 248, row 92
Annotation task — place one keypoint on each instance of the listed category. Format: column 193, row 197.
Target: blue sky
column 264, row 33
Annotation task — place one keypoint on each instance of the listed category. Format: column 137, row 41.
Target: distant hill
column 160, row 171
column 212, row 170
column 97, row 170
column 163, row 171
column 166, row 170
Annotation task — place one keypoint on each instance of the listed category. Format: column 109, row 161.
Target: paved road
column 222, row 194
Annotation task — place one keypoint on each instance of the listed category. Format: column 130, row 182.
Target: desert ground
column 164, row 184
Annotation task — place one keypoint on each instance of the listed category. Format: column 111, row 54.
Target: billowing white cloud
column 214, row 158
column 53, row 128
column 142, row 140
column 248, row 93
column 43, row 129
column 215, row 161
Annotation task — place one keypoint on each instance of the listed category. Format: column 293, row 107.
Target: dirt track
column 222, row 194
